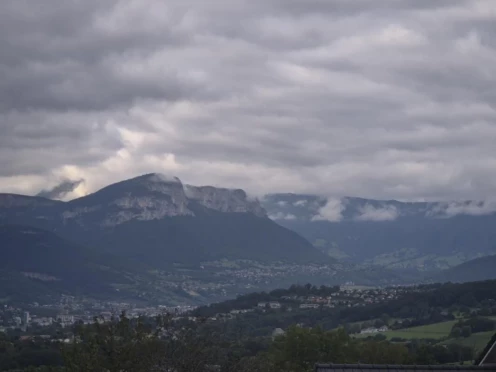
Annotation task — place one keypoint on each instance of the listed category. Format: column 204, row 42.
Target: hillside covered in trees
column 432, row 324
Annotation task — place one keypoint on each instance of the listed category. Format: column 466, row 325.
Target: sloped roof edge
column 490, row 357
column 386, row 367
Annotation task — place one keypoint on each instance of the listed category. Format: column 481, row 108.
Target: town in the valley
column 32, row 319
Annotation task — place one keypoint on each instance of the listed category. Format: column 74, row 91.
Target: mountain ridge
column 478, row 269
column 351, row 207
column 158, row 220
column 135, row 193
column 399, row 235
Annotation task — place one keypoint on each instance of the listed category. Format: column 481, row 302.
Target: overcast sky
column 373, row 98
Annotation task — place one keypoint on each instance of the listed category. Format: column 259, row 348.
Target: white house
column 274, row 305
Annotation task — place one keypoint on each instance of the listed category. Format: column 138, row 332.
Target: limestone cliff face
column 154, row 196
column 149, row 197
column 165, row 198
column 225, row 200
column 144, row 198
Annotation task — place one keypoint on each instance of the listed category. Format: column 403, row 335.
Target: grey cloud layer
column 390, row 99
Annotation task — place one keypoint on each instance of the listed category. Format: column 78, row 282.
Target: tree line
column 162, row 344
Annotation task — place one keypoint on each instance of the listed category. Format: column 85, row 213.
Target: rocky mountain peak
column 155, row 196
column 225, row 200
column 160, row 183
column 148, row 197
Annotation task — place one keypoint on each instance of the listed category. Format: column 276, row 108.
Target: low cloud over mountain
column 61, row 190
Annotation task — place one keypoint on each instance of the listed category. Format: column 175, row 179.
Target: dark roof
column 488, row 356
column 390, row 367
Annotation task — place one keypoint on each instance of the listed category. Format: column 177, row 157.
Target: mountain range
column 389, row 233
column 153, row 237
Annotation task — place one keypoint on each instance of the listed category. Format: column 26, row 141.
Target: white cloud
column 282, row 216
column 471, row 208
column 160, row 177
column 300, row 203
column 371, row 213
column 331, row 211
column 399, row 35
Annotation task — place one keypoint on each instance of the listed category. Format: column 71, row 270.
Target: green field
column 433, row 331
column 477, row 340
column 439, row 331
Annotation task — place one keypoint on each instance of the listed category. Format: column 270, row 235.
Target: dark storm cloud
column 388, row 99
column 61, row 190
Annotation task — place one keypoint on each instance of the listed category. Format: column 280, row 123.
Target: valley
column 419, row 236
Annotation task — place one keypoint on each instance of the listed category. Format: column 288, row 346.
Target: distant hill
column 157, row 220
column 398, row 235
column 421, row 305
column 38, row 265
column 36, row 262
column 483, row 268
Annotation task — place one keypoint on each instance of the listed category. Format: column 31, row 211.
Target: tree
column 380, row 337
column 379, row 323
column 367, row 324
column 381, row 352
column 424, row 355
column 300, row 348
column 478, row 324
column 125, row 345
column 354, row 328
column 456, row 332
column 466, row 331
column 386, row 319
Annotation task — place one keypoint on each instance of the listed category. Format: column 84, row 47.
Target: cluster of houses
column 270, row 305
column 373, row 330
